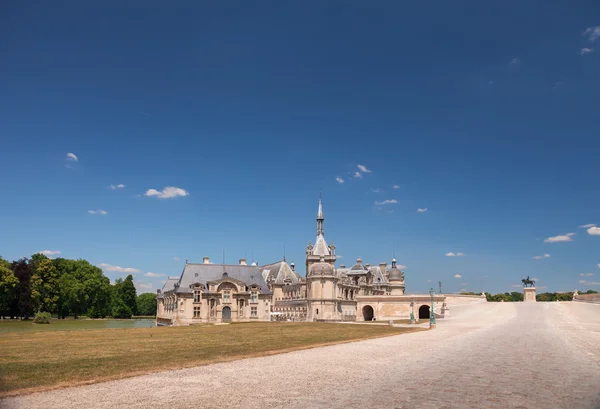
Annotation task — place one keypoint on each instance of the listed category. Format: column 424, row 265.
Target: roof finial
column 283, row 251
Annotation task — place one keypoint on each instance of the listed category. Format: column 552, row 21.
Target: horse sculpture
column 528, row 282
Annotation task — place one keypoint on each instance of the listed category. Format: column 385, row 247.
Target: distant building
column 215, row 292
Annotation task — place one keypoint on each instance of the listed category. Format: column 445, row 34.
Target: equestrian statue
column 527, row 282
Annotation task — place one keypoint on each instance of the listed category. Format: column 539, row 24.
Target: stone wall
column 591, row 298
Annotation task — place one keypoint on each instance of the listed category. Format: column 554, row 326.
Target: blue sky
column 484, row 115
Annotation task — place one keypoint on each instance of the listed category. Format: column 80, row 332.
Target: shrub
column 42, row 318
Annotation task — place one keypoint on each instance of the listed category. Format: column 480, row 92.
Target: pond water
column 7, row 325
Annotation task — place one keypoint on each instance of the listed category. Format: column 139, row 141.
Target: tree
column 120, row 309
column 591, row 292
column 73, row 297
column 564, row 296
column 129, row 294
column 8, row 285
column 146, row 304
column 21, row 305
column 545, row 297
column 44, row 285
column 516, row 296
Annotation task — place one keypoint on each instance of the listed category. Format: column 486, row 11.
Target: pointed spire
column 320, row 212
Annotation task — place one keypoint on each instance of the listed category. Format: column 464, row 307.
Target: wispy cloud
column 516, row 286
column 100, row 211
column 168, row 192
column 457, row 276
column 363, row 169
column 558, row 239
column 401, row 266
column 586, row 274
column 357, row 175
column 117, row 269
column 587, row 226
column 143, row 286
column 149, row 274
column 49, row 252
column 451, row 254
column 396, row 186
column 592, row 33
column 585, row 51
column 541, row 257
column 119, row 186
column 386, row 202
column 176, row 258
column 585, row 282
column 459, row 254
column 593, row 231
column 514, row 61
column 421, row 210
column 375, row 190
column 339, row 179
column 72, row 157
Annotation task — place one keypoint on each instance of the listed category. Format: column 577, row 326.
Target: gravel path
column 496, row 355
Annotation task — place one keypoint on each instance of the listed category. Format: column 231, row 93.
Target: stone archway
column 368, row 313
column 226, row 314
column 424, row 312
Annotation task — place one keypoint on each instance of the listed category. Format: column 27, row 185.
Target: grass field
column 34, row 361
column 71, row 324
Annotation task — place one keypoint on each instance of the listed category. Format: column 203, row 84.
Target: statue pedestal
column 529, row 294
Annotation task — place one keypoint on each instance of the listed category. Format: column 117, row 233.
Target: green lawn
column 39, row 360
column 71, row 324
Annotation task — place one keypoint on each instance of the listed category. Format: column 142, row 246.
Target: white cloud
column 585, row 51
column 586, row 274
column 339, row 180
column 363, row 168
column 144, row 286
column 119, row 186
column 339, row 256
column 149, row 274
column 594, row 231
column 72, row 156
column 541, row 257
column 401, row 266
column 385, row 202
column 100, row 211
column 375, row 190
column 357, row 175
column 49, row 252
column 396, row 186
column 514, row 61
column 557, row 239
column 587, row 226
column 457, row 276
column 459, row 254
column 421, row 210
column 168, row 192
column 593, row 33
column 450, row 254
column 118, row 269
column 584, row 282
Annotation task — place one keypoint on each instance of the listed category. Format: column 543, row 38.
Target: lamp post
column 440, row 283
column 412, row 311
column 431, row 313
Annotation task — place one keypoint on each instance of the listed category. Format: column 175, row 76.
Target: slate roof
column 201, row 273
column 169, row 285
column 321, row 248
column 279, row 272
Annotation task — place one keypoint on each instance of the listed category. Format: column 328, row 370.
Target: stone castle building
column 221, row 293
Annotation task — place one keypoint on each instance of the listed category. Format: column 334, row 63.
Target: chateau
column 210, row 292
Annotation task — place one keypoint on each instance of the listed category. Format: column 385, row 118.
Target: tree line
column 518, row 296
column 65, row 288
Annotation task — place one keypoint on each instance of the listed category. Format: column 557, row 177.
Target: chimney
column 205, row 260
column 243, row 262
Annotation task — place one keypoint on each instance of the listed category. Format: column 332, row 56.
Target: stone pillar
column 529, row 294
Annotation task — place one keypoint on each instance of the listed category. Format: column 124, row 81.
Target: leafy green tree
column 129, row 294
column 73, row 297
column 120, row 309
column 564, row 296
column 44, row 285
column 146, row 304
column 8, row 285
column 591, row 292
column 97, row 288
column 516, row 296
column 21, row 305
column 545, row 297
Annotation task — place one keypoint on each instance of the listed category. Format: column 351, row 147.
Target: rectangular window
column 226, row 296
column 254, row 297
column 253, row 311
column 197, row 312
column 197, row 296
